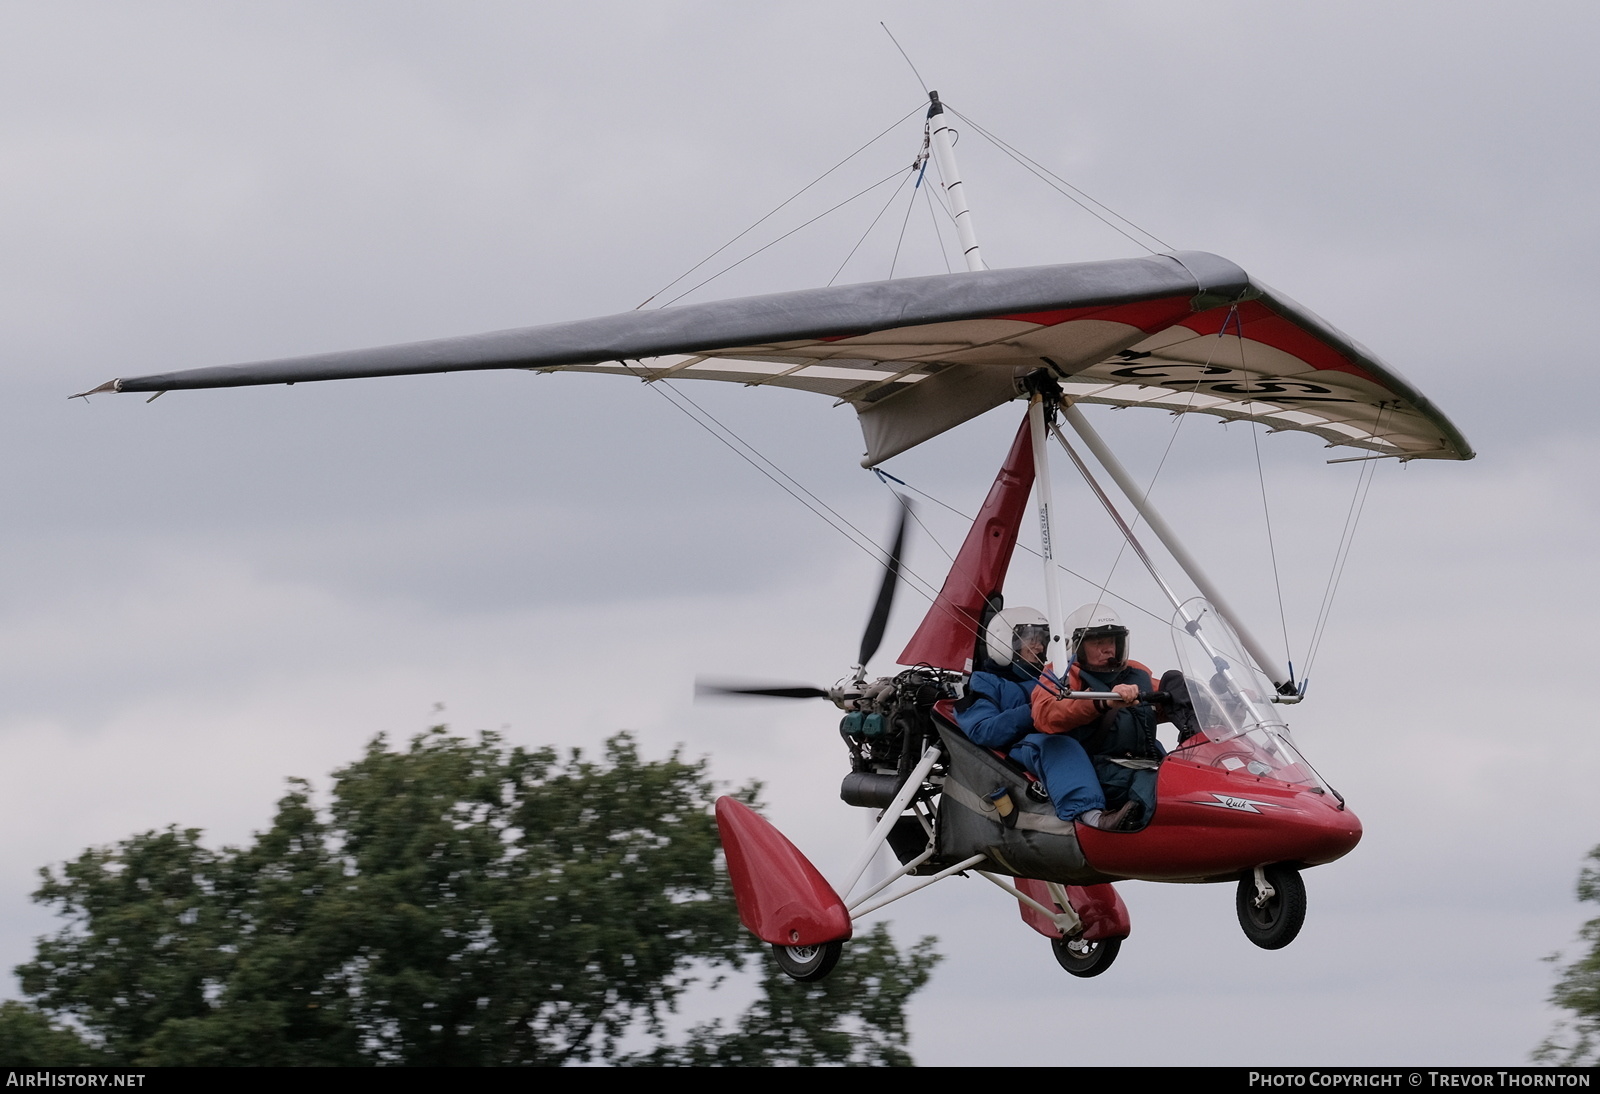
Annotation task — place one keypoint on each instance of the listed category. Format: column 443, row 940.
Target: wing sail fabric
column 915, row 357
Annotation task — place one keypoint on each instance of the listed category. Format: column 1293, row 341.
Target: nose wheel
column 1271, row 902
column 808, row 963
column 1081, row 957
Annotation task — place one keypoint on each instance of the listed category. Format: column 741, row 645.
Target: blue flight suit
column 995, row 713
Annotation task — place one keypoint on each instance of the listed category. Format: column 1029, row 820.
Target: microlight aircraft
column 1185, row 332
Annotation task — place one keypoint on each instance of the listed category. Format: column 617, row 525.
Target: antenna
column 903, row 53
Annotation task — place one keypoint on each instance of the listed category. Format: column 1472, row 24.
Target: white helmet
column 1009, row 628
column 1096, row 621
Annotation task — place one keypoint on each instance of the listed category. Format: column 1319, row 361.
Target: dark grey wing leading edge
column 917, row 356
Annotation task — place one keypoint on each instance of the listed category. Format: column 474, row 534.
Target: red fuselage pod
column 782, row 898
column 1212, row 823
column 1100, row 907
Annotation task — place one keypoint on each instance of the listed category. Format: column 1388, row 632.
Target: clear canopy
column 1241, row 729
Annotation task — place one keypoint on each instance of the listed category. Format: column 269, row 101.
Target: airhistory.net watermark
column 30, row 1077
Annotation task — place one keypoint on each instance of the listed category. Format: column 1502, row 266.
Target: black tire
column 807, row 963
column 1081, row 957
column 1275, row 924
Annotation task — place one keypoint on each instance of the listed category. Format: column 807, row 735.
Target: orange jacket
column 1052, row 715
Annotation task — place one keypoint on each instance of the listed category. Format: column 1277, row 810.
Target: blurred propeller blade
column 873, row 635
column 703, row 689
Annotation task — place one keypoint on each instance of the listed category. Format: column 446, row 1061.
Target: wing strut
column 1287, row 691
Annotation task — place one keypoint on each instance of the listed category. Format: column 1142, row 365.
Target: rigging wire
column 1177, row 424
column 1272, row 546
column 830, row 516
column 868, row 232
column 791, row 486
column 885, row 478
column 1261, row 479
column 935, row 195
column 1165, row 621
column 786, row 482
column 1040, row 171
column 910, row 205
column 927, row 196
column 779, row 208
column 1341, row 555
column 784, row 236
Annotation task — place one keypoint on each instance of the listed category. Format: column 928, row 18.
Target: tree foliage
column 459, row 903
column 1576, row 1041
column 30, row 1039
column 855, row 1016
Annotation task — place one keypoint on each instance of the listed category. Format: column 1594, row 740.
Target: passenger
column 995, row 714
column 1119, row 734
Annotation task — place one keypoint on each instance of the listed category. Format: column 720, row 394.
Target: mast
column 1045, row 395
column 1043, row 402
column 944, row 154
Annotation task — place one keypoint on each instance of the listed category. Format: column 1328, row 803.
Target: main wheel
column 1273, row 924
column 808, row 963
column 1081, row 957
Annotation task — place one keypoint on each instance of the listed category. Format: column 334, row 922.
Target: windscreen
column 1241, row 729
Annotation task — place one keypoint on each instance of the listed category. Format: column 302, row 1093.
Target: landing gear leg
column 808, row 963
column 1271, row 902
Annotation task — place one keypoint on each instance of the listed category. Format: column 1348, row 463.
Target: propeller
column 871, row 638
column 704, row 688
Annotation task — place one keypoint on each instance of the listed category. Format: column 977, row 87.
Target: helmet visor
column 1115, row 633
column 1029, row 641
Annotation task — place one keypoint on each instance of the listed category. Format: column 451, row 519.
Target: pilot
column 1119, row 735
column 995, row 714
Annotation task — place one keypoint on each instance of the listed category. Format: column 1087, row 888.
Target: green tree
column 855, row 1016
column 458, row 903
column 1576, row 1040
column 29, row 1039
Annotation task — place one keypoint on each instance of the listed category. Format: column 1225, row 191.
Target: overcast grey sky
column 205, row 595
